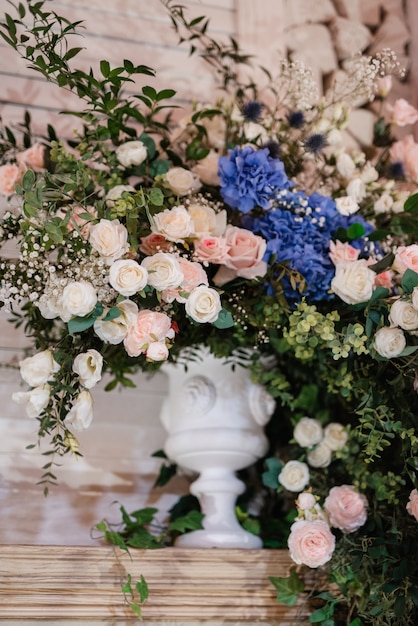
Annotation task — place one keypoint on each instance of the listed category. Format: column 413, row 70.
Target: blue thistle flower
column 315, row 143
column 296, row 119
column 396, row 170
column 252, row 111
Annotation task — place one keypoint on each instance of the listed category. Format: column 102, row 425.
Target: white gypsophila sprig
column 295, row 86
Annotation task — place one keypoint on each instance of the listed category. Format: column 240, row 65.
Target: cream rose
column 346, row 508
column 345, row 165
column 412, row 505
column 207, row 169
column 174, row 224
column 389, row 342
column 346, row 205
column 157, row 351
column 404, row 315
column 110, row 239
column 207, row 221
column 10, row 175
column 310, row 543
column 383, row 204
column 131, row 153
column 114, row 331
column 127, row 277
column 320, row 456
column 308, row 432
column 294, row 476
column 164, row 271
column 182, row 181
column 203, row 304
column 335, row 436
column 36, row 370
column 35, row 400
column 406, row 257
column 88, row 365
column 353, row 282
column 78, row 299
column 80, row 415
column 356, row 188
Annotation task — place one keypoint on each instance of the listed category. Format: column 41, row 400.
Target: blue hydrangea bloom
column 250, row 178
column 298, row 230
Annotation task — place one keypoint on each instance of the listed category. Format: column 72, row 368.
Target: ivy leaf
column 191, row 521
column 142, row 589
column 225, row 320
column 288, row 588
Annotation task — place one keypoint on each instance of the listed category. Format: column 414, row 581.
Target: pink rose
column 311, row 543
column 412, row 506
column 406, row 257
column 194, row 275
column 149, row 326
column 246, row 251
column 401, row 113
column 153, row 243
column 211, row 249
column 79, row 222
column 10, row 175
column 384, row 279
column 346, row 508
column 32, row 158
column 406, row 151
column 342, row 252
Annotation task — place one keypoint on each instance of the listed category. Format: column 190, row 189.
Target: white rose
column 131, row 153
column 308, row 432
column 114, row 331
column 49, row 306
column 164, row 271
column 78, row 299
column 294, row 476
column 415, row 298
column 403, row 314
column 116, row 192
column 345, row 165
column 207, row 169
column 389, row 342
column 36, row 370
column 369, row 174
column 353, row 282
column 346, row 205
column 320, row 456
column 34, row 400
column 110, row 239
column 356, row 189
column 206, row 221
column 182, row 181
column 174, row 224
column 203, row 304
column 127, row 277
column 335, row 436
column 157, row 351
column 80, row 415
column 88, row 365
column 383, row 204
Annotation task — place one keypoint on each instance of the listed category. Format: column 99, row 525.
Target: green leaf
column 270, row 478
column 79, row 324
column 225, row 320
column 191, row 521
column 378, row 293
column 288, row 589
column 28, row 180
column 142, row 589
column 105, row 68
column 409, row 280
column 150, row 92
column 112, row 314
column 355, row 231
column 156, row 197
column 165, row 94
column 411, row 205
column 165, row 474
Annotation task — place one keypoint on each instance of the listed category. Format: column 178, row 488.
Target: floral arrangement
column 251, row 221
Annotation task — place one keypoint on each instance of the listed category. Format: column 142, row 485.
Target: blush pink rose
column 194, row 275
column 311, row 543
column 406, row 151
column 245, row 255
column 406, row 257
column 342, row 252
column 153, row 243
column 149, row 326
column 10, row 175
column 32, row 158
column 384, row 279
column 412, row 506
column 76, row 221
column 211, row 250
column 401, row 113
column 346, row 508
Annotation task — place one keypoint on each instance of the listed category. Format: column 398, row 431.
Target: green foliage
column 288, row 588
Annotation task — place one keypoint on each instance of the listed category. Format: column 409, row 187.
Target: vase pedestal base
column 237, row 538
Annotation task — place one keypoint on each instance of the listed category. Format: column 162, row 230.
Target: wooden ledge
column 54, row 583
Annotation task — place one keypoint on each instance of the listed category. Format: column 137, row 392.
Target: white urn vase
column 214, row 416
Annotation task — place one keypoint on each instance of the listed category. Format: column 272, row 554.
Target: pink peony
column 406, row 257
column 32, row 158
column 412, row 506
column 342, row 252
column 311, row 543
column 10, row 175
column 148, row 327
column 406, row 151
column 401, row 113
column 346, row 508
